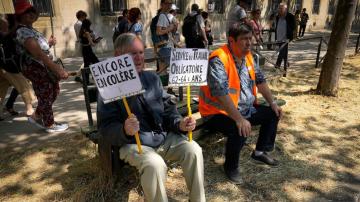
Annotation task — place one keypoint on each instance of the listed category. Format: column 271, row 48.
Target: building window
column 112, row 7
column 332, row 7
column 216, row 6
column 316, row 7
column 43, row 7
column 298, row 5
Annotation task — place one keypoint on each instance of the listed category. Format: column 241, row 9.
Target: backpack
column 120, row 28
column 9, row 58
column 189, row 28
column 154, row 37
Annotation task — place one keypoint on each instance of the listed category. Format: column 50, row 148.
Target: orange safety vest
column 209, row 105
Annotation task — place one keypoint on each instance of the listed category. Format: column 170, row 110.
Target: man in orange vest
column 228, row 102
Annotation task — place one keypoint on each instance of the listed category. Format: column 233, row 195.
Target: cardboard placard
column 188, row 67
column 116, row 78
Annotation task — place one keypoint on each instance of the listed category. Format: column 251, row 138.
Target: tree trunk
column 331, row 68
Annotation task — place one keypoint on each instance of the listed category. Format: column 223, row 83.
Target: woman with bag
column 207, row 23
column 87, row 40
column 134, row 25
column 38, row 67
column 257, row 28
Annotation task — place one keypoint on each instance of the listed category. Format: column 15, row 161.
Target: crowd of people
column 227, row 103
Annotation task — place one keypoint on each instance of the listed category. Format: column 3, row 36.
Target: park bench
column 108, row 153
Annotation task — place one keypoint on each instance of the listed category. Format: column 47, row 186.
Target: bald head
column 282, row 9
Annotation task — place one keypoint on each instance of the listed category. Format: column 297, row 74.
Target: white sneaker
column 38, row 123
column 57, row 127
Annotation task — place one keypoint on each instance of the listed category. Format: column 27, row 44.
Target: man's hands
column 276, row 109
column 244, row 127
column 131, row 125
column 187, row 124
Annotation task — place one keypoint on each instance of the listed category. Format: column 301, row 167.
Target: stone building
column 103, row 14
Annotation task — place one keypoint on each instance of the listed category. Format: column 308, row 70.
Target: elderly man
column 284, row 32
column 161, row 128
column 228, row 101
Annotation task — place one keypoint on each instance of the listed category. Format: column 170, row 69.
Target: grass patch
column 317, row 145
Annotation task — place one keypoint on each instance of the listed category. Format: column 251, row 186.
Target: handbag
column 53, row 76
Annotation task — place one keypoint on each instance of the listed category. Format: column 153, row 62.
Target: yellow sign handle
column 189, row 109
column 137, row 133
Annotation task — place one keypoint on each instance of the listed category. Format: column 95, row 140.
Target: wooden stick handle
column 137, row 138
column 189, row 109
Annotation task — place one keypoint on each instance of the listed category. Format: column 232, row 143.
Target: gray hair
column 124, row 41
column 283, row 5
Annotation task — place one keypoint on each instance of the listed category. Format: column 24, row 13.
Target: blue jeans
column 164, row 55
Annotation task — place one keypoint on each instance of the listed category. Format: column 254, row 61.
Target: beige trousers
column 21, row 84
column 152, row 168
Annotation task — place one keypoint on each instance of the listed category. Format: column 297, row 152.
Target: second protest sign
column 188, row 67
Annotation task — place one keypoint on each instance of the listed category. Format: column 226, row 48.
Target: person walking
column 87, row 40
column 304, row 19
column 194, row 29
column 257, row 28
column 297, row 23
column 238, row 13
column 80, row 16
column 164, row 30
column 207, row 23
column 134, row 25
column 122, row 25
column 38, row 67
column 173, row 20
column 284, row 33
column 10, row 72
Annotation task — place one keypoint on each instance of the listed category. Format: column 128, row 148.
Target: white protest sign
column 188, row 67
column 116, row 78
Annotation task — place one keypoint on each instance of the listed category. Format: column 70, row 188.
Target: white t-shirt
column 175, row 34
column 235, row 15
column 77, row 27
column 164, row 22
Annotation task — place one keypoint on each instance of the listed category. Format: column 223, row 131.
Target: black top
column 83, row 39
column 290, row 26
